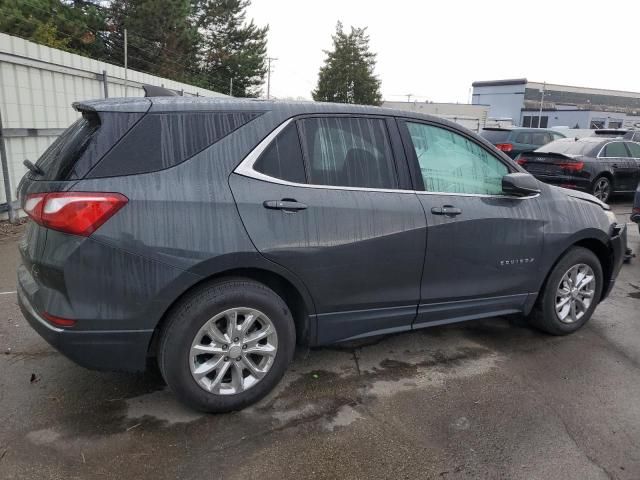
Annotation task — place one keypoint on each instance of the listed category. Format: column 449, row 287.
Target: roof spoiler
column 153, row 91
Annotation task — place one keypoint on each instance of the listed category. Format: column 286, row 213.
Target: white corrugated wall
column 38, row 84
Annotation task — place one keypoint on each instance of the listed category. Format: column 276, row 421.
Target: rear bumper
column 97, row 350
column 618, row 249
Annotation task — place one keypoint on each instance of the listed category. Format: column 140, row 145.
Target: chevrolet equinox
column 215, row 234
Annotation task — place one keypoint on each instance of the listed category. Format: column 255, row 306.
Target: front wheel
column 226, row 345
column 601, row 188
column 570, row 294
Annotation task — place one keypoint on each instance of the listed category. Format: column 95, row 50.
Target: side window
column 162, row 140
column 523, row 137
column 283, row 157
column 451, row 163
column 615, row 149
column 557, row 136
column 349, row 152
column 634, row 148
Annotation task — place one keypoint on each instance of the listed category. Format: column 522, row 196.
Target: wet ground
column 487, row 399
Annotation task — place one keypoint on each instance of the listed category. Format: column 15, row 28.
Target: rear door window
column 348, row 151
column 615, row 149
column 634, row 148
column 283, row 157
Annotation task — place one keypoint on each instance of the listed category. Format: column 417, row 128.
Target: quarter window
column 350, row 152
column 451, row 163
column 615, row 149
column 162, row 140
column 283, row 157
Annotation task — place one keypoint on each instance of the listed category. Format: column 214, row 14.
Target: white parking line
column 7, row 293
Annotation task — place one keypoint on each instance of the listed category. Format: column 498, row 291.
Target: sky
column 434, row 50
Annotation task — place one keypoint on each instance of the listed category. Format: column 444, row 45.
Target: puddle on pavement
column 327, row 387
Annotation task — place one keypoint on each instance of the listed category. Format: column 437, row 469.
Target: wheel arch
column 285, row 284
column 601, row 251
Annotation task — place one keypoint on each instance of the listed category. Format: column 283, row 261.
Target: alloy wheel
column 602, row 189
column 233, row 351
column 575, row 293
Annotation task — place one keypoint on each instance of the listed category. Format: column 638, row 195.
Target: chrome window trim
column 245, row 168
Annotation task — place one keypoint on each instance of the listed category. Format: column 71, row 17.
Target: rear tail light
column 521, row 160
column 505, row 147
column 77, row 213
column 58, row 321
column 635, row 210
column 571, row 166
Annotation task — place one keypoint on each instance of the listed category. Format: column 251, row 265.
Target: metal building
column 562, row 105
column 474, row 117
column 38, row 84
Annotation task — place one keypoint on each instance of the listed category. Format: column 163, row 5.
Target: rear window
column 569, row 146
column 495, row 136
column 58, row 160
column 162, row 140
column 83, row 144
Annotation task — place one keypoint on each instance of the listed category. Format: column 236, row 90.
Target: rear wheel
column 601, row 188
column 570, row 294
column 226, row 345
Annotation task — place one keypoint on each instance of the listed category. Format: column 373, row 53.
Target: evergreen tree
column 76, row 26
column 347, row 75
column 161, row 38
column 231, row 47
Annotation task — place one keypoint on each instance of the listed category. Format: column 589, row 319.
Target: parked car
column 635, row 210
column 610, row 132
column 516, row 140
column 632, row 135
column 600, row 166
column 215, row 234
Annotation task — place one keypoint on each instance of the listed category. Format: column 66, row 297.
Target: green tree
column 76, row 26
column 347, row 75
column 161, row 37
column 231, row 47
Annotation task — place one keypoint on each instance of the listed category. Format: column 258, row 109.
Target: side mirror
column 520, row 184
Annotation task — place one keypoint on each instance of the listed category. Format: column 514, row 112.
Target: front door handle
column 448, row 210
column 286, row 204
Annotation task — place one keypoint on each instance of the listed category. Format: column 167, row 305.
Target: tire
column 602, row 188
column 545, row 316
column 189, row 325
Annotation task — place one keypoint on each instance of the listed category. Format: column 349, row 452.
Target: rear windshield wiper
column 34, row 168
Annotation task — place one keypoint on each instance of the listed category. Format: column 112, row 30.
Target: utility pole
column 126, row 65
column 269, row 60
column 231, row 87
column 409, row 95
column 541, row 103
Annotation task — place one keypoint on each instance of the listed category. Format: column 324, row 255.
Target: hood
column 583, row 196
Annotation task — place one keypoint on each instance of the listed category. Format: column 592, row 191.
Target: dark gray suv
column 214, row 235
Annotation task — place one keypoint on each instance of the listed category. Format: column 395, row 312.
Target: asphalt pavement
column 486, row 399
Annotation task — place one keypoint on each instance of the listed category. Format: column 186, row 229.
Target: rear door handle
column 448, row 210
column 287, row 204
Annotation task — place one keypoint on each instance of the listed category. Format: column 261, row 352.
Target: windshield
column 569, row 147
column 495, row 136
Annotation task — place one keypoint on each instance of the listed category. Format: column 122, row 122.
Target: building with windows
column 575, row 107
